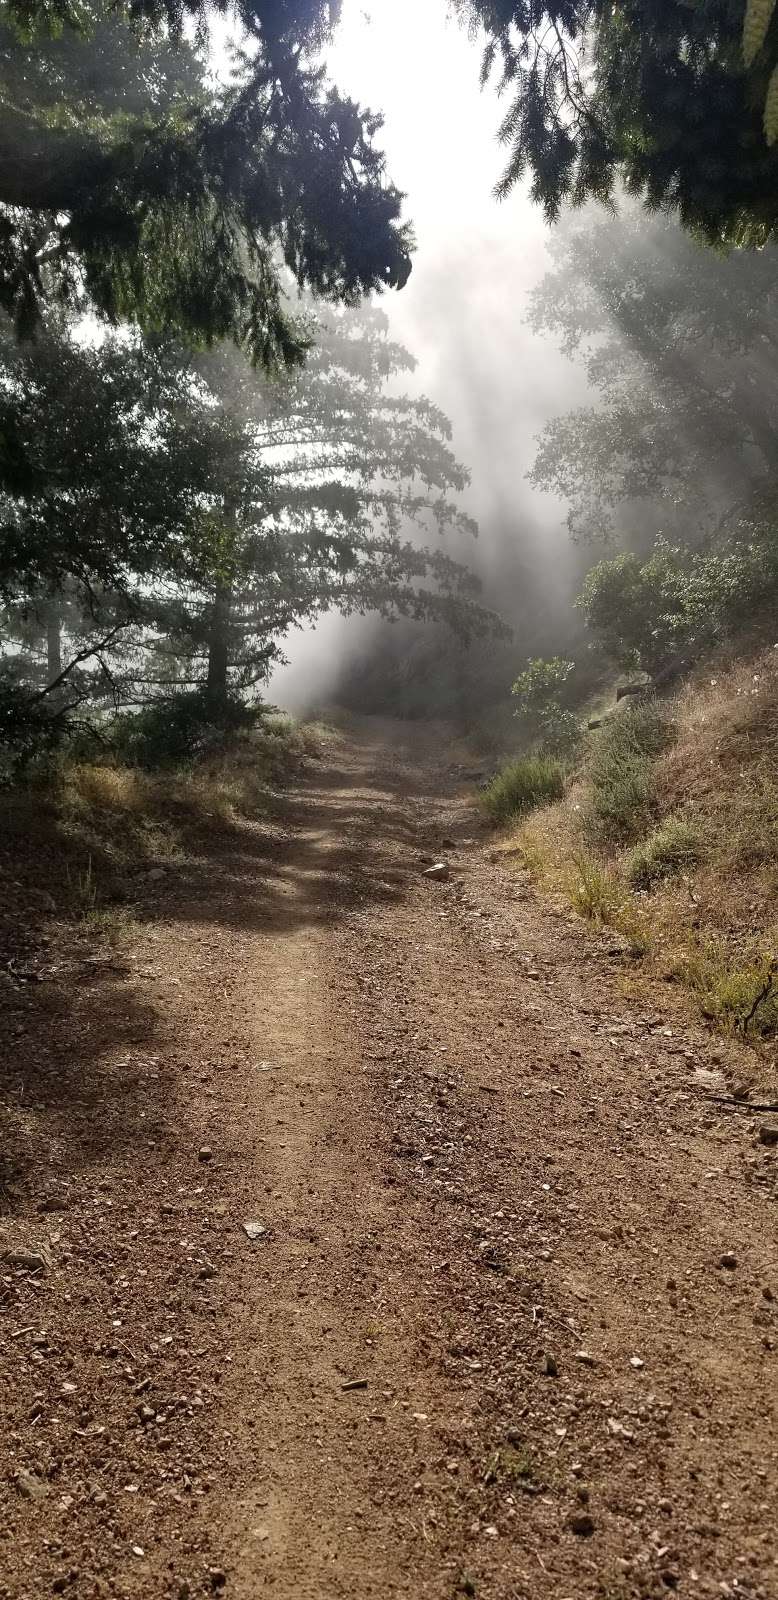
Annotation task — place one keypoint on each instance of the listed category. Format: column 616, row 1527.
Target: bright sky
column 461, row 314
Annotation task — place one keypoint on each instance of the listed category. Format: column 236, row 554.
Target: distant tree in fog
column 682, row 346
column 168, row 517
column 340, row 469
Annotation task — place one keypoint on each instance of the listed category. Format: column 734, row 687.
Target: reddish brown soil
column 496, row 1195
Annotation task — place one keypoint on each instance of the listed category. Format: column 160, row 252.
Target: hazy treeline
column 677, row 443
column 204, row 439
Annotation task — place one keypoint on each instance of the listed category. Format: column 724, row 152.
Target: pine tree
column 132, row 186
column 171, row 517
column 657, row 98
column 338, row 471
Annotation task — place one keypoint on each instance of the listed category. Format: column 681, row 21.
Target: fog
column 462, row 317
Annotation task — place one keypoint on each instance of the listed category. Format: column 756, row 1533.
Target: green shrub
column 679, row 601
column 621, row 773
column 593, row 891
column 597, row 894
column 181, row 730
column 546, row 721
column 670, row 849
column 31, row 729
column 523, row 785
column 737, row 990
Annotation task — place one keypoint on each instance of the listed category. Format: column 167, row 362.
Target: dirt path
column 494, row 1195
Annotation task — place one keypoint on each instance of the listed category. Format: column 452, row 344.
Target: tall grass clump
column 593, row 890
column 669, row 850
column 621, row 774
column 736, row 990
column 522, row 786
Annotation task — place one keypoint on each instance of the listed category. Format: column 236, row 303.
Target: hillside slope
column 669, row 834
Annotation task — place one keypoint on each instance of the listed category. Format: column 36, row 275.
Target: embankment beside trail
column 668, row 835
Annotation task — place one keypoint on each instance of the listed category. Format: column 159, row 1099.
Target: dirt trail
column 495, row 1195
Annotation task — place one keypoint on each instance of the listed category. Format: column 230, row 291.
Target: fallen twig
column 548, row 1316
column 762, row 995
column 743, row 1105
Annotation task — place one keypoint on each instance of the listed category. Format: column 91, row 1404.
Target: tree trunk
column 218, row 648
column 53, row 642
column 219, row 629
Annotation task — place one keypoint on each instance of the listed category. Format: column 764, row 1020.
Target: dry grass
column 74, row 838
column 696, row 893
column 674, row 847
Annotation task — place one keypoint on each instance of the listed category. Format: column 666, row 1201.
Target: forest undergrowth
column 80, row 835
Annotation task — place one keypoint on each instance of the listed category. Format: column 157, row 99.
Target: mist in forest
column 609, row 381
column 462, row 316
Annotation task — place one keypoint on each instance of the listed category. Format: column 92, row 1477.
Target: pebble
column 32, row 1487
column 205, row 1153
column 255, row 1230
column 438, row 873
column 27, row 1260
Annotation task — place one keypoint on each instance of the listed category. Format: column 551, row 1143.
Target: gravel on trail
column 368, row 1233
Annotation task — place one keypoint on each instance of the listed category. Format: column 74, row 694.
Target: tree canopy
column 660, row 99
column 132, row 184
column 680, row 345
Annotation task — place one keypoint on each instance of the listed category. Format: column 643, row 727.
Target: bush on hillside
column 31, row 728
column 737, row 990
column 679, row 602
column 520, row 787
column 545, row 719
column 181, row 730
column 621, row 773
column 670, row 849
